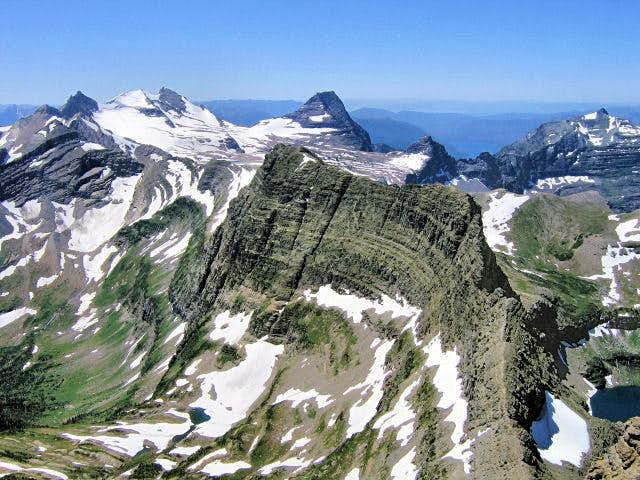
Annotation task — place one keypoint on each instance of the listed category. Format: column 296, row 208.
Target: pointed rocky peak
column 430, row 147
column 323, row 108
column 603, row 111
column 326, row 110
column 47, row 110
column 79, row 103
column 439, row 166
column 171, row 100
column 425, row 144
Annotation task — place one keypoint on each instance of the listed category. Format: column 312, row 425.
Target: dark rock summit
column 326, row 110
column 171, row 100
column 79, row 103
column 439, row 166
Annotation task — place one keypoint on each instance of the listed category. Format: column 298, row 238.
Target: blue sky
column 464, row 50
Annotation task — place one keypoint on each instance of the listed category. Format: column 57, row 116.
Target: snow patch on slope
column 495, row 219
column 449, row 384
column 227, row 396
column 560, row 434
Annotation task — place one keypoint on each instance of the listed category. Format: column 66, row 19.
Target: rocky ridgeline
column 302, row 224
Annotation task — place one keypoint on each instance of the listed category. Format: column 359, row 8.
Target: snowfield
column 371, row 390
column 195, row 133
column 495, row 220
column 135, row 434
column 560, row 434
column 98, row 225
column 227, row 396
column 448, row 382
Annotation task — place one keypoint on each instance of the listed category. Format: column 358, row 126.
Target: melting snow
column 402, row 416
column 353, row 305
column 219, row 468
column 319, row 118
column 89, row 146
column 176, row 332
column 185, row 451
column 296, row 397
column 8, row 317
column 230, row 328
column 43, row 281
column 553, row 182
column 405, row 469
column 160, row 434
column 239, row 181
column 560, row 433
column 227, row 396
column 98, row 225
column 625, row 229
column 364, row 410
column 449, row 384
column 94, row 264
column 411, row 162
column 296, row 462
column 353, row 474
column 46, row 471
column 495, row 219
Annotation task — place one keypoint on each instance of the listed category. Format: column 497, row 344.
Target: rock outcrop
column 326, row 110
column 622, row 460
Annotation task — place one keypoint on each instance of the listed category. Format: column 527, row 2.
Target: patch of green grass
column 404, row 359
column 549, row 226
column 335, row 434
column 427, row 457
column 184, row 211
column 10, row 303
column 310, row 327
column 26, row 393
column 228, row 354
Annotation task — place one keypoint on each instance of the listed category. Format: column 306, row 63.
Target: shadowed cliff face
column 302, row 224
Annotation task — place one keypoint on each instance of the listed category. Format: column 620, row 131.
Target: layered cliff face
column 304, row 227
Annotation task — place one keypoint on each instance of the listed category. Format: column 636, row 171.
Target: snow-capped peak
column 166, row 120
column 132, row 99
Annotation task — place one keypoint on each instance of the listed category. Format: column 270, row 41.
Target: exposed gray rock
column 440, row 167
column 79, row 103
column 326, row 110
column 599, row 146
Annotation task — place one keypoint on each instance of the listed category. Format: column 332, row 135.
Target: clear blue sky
column 563, row 50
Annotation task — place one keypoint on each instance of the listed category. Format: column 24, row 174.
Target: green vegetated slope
column 72, row 377
column 301, row 225
column 556, row 240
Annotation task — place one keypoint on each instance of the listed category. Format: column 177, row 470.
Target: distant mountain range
column 463, row 134
column 250, row 112
column 10, row 113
